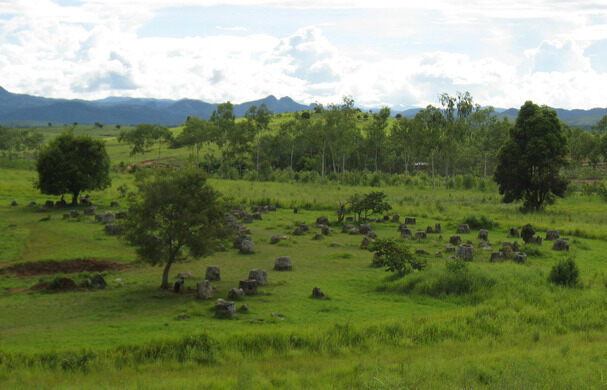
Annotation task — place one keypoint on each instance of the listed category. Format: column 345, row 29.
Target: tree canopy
column 175, row 215
column 72, row 164
column 530, row 160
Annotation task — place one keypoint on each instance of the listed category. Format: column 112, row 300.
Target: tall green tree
column 175, row 215
column 70, row 164
column 530, row 161
column 376, row 134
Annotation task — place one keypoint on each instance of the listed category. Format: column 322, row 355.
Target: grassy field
column 510, row 328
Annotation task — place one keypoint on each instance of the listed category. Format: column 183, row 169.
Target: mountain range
column 26, row 110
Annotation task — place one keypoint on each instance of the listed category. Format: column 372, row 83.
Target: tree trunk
column 75, row 198
column 165, row 275
column 485, row 162
column 291, row 161
column 433, row 180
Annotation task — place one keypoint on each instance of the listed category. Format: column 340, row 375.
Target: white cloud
column 93, row 51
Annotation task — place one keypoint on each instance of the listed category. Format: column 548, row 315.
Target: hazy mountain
column 19, row 109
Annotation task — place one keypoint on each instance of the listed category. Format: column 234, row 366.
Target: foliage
column 565, row 273
column 72, row 164
column 395, row 256
column 144, row 136
column 527, row 233
column 13, row 141
column 177, row 215
column 531, row 159
column 373, row 203
column 482, row 222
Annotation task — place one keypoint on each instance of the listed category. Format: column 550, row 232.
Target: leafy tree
column 530, row 161
column 601, row 125
column 72, row 164
column 395, row 256
column 259, row 118
column 176, row 215
column 565, row 273
column 145, row 135
column 195, row 133
column 376, row 134
column 373, row 202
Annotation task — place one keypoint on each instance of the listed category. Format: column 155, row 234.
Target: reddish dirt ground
column 50, row 267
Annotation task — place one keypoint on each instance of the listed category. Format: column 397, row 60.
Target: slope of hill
column 22, row 110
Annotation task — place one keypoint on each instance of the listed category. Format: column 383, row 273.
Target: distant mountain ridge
column 20, row 109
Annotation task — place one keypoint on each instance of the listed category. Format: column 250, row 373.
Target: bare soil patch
column 49, row 267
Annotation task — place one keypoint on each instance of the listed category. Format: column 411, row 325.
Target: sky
column 400, row 54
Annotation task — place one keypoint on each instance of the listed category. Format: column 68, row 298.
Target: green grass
column 509, row 328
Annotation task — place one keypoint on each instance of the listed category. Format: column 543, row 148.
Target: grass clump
column 565, row 273
column 482, row 222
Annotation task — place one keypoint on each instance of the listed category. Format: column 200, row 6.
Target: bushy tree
column 72, row 164
column 176, row 215
column 565, row 273
column 395, row 256
column 530, row 161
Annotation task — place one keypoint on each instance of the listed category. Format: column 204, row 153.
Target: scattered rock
column 463, row 228
column 322, row 221
column 31, row 204
column 496, row 257
column 396, row 218
column 249, row 286
column 49, row 204
column 349, row 219
column 519, row 257
column 244, row 308
column 438, row 254
column 62, row 284
column 364, row 228
column 371, row 234
column 437, row 228
column 406, row 233
column 409, row 221
column 14, row 203
column 465, row 252
column 247, row 246
column 236, row 294
column 295, row 210
column 213, row 273
column 421, row 252
column 98, row 282
column 121, row 214
column 347, row 227
column 184, row 275
column 74, row 214
column 204, row 290
column 66, row 216
column 455, row 240
column 90, row 210
column 449, row 249
column 108, row 217
column 114, row 204
column 507, row 251
column 536, row 240
column 275, row 239
column 283, row 263
column 429, row 230
column 335, row 245
column 259, row 275
column 225, row 309
column 317, row 236
column 325, row 230
column 552, row 235
column 420, row 235
column 317, row 293
column 560, row 245
column 257, row 216
column 483, row 234
column 484, row 245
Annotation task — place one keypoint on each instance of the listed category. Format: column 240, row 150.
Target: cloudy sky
column 396, row 53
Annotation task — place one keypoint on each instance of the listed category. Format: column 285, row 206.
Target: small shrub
column 527, row 233
column 565, row 273
column 481, row 222
column 395, row 256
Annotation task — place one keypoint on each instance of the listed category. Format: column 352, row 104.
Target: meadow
column 498, row 325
